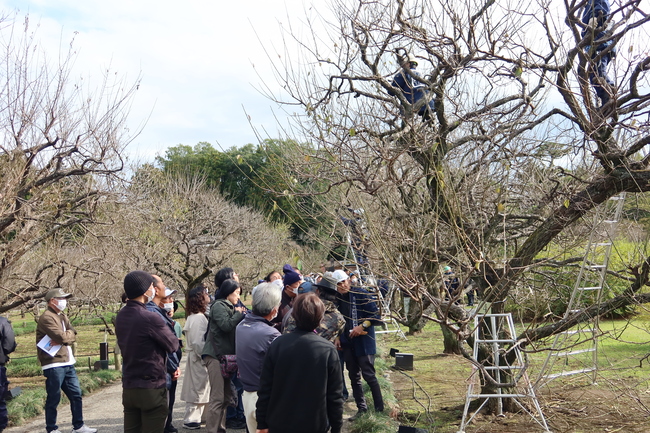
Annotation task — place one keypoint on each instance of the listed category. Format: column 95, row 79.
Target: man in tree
column 7, row 346
column 358, row 236
column 451, row 285
column 54, row 338
column 408, row 81
column 595, row 18
column 357, row 341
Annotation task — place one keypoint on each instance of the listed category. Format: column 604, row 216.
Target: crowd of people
column 248, row 368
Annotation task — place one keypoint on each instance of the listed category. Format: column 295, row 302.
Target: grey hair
column 266, row 297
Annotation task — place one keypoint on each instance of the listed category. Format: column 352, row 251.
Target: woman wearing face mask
column 291, row 282
column 223, row 319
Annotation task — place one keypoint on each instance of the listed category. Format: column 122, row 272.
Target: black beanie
column 136, row 283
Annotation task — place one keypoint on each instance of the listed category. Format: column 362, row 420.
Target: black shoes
column 171, row 429
column 192, row 425
column 236, row 424
column 357, row 415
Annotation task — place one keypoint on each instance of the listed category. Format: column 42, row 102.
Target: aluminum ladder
column 371, row 281
column 498, row 332
column 577, row 348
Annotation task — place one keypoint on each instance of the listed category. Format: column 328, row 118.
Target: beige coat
column 52, row 324
column 196, row 388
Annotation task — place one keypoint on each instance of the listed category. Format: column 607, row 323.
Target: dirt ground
column 570, row 406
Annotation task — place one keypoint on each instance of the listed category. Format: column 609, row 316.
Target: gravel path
column 103, row 411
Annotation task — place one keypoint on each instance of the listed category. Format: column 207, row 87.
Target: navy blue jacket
column 599, row 9
column 8, row 340
column 357, row 306
column 412, row 89
column 173, row 358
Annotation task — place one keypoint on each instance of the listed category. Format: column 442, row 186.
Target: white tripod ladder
column 577, row 348
column 497, row 331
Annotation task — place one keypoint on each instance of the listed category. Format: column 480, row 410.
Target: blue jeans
column 4, row 386
column 57, row 379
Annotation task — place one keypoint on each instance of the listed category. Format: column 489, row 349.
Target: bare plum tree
column 60, row 150
column 495, row 152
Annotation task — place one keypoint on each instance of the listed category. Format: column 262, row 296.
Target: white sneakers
column 83, row 429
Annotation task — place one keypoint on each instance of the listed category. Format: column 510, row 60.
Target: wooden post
column 118, row 358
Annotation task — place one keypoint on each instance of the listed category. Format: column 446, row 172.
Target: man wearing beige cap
column 54, row 337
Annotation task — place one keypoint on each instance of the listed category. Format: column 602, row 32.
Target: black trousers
column 357, row 367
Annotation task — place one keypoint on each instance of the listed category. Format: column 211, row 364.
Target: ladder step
column 573, row 352
column 610, row 221
column 570, row 373
column 596, row 266
column 604, row 244
column 577, row 331
column 501, row 395
column 590, row 288
column 496, row 341
column 504, row 367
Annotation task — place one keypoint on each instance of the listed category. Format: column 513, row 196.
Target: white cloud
column 194, row 59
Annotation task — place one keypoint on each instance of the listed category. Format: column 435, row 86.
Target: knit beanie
column 136, row 283
column 290, row 277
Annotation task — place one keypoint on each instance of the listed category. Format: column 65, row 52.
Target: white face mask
column 278, row 283
column 61, row 304
column 153, row 295
column 168, row 306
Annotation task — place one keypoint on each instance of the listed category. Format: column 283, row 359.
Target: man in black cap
column 145, row 341
column 54, row 338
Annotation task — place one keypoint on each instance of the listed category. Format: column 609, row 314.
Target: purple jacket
column 253, row 337
column 145, row 340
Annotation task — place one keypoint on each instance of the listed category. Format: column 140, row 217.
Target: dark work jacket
column 222, row 322
column 145, row 341
column 600, row 10
column 301, row 386
column 7, row 340
column 412, row 89
column 173, row 358
column 357, row 306
column 253, row 337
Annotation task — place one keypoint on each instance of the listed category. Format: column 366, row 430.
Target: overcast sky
column 195, row 59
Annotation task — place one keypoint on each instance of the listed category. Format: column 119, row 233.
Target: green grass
column 27, row 405
column 433, row 394
column 373, row 422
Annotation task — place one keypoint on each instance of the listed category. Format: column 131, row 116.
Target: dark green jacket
column 222, row 322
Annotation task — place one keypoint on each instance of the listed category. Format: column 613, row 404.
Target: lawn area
column 433, row 394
